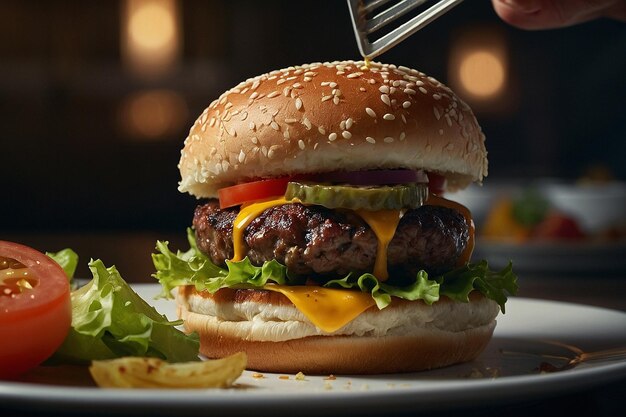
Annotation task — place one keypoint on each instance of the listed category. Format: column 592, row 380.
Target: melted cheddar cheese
column 328, row 308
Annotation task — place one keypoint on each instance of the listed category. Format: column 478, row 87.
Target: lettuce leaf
column 68, row 260
column 110, row 320
column 194, row 268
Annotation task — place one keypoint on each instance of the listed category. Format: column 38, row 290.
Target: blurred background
column 96, row 99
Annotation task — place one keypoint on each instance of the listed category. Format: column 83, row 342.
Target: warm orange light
column 150, row 36
column 482, row 73
column 479, row 69
column 153, row 115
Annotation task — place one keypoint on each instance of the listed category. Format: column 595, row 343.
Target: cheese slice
column 248, row 213
column 328, row 308
column 384, row 224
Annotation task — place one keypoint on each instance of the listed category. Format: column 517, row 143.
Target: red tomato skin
column 33, row 325
column 30, row 352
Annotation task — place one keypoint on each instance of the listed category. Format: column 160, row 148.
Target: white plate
column 530, row 335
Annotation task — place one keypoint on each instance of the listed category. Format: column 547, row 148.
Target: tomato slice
column 436, row 183
column 252, row 191
column 35, row 308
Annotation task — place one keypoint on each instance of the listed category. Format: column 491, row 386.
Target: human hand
column 549, row 14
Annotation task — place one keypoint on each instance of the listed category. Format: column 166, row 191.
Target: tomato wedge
column 252, row 191
column 35, row 308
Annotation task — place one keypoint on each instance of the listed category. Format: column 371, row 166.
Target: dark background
column 66, row 165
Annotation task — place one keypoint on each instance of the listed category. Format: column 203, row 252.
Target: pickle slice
column 359, row 198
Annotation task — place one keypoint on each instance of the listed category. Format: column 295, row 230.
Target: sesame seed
column 370, row 112
column 252, row 126
column 212, row 122
column 346, row 134
column 403, row 118
column 275, row 126
column 254, row 140
column 256, row 84
column 372, row 81
column 437, row 96
column 324, row 83
column 423, row 90
column 307, row 79
column 315, row 146
column 437, row 114
column 410, row 91
column 273, row 94
column 290, row 120
column 349, row 123
column 286, row 134
column 242, row 157
column 228, row 105
column 340, row 72
column 402, row 135
column 362, row 89
column 419, row 83
column 406, row 104
column 441, row 132
column 286, row 91
column 307, row 123
column 336, row 99
column 326, row 98
column 385, row 99
column 244, row 116
column 332, row 84
column 370, row 139
column 388, row 139
column 354, row 75
column 301, row 144
column 254, row 95
column 342, row 125
column 310, row 74
column 332, row 136
column 389, row 116
column 297, row 85
column 298, row 103
column 384, row 89
column 321, row 130
column 280, row 81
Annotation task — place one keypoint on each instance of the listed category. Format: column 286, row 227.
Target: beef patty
column 319, row 242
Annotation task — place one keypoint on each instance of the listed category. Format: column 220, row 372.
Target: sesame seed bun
column 317, row 117
column 407, row 336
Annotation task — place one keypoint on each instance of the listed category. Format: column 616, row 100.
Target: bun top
column 333, row 116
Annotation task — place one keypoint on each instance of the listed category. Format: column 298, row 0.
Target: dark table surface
column 129, row 251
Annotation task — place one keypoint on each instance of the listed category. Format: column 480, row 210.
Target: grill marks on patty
column 317, row 242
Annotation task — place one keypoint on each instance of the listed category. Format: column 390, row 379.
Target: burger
column 322, row 242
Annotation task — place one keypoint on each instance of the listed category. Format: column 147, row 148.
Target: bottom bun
column 413, row 336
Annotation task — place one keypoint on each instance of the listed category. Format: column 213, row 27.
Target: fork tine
column 391, row 14
column 407, row 29
column 368, row 6
column 358, row 12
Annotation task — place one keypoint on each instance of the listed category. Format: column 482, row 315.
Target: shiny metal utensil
column 371, row 16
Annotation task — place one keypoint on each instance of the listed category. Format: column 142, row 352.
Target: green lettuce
column 68, row 260
column 194, row 268
column 110, row 320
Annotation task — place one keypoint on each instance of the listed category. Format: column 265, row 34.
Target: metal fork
column 364, row 26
